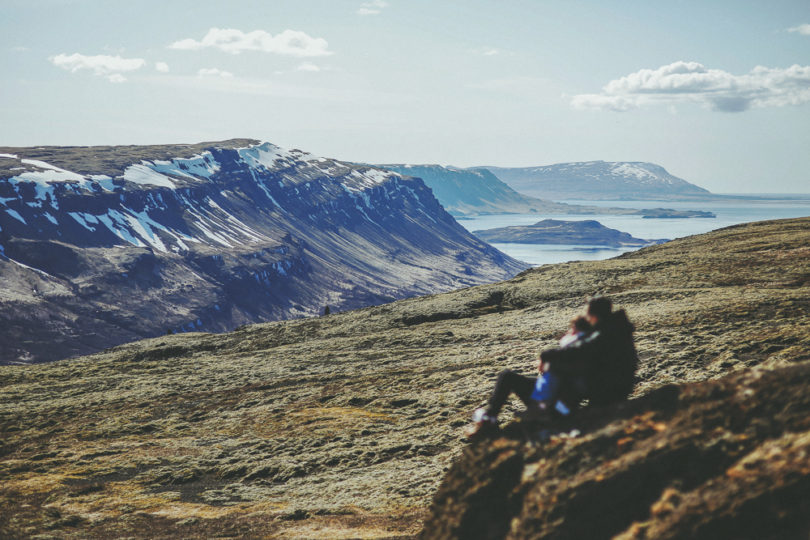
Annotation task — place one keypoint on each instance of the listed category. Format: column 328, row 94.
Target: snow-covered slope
column 101, row 245
column 599, row 180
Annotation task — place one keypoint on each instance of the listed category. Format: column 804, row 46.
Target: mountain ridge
column 477, row 191
column 599, row 180
column 226, row 236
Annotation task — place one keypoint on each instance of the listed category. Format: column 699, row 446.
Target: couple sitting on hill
column 596, row 360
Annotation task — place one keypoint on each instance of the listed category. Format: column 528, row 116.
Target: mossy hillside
column 343, row 426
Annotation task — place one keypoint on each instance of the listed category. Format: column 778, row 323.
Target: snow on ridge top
column 265, row 155
column 196, row 167
column 270, row 156
column 49, row 173
column 9, row 156
column 44, row 179
column 42, row 165
column 144, row 174
column 632, row 169
column 366, row 178
column 160, row 172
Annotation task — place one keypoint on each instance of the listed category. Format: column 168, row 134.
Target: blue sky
column 717, row 92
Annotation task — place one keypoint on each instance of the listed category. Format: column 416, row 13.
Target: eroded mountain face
column 102, row 245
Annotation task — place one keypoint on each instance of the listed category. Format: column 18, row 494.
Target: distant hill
column 554, row 231
column 472, row 192
column 103, row 245
column 599, row 180
column 466, row 192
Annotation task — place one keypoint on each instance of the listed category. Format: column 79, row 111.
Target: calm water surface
column 731, row 212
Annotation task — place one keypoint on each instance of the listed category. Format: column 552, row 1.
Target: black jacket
column 605, row 361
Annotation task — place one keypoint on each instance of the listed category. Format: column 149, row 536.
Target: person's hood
column 617, row 323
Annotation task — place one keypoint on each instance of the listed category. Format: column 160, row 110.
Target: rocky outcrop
column 103, row 245
column 553, row 231
column 719, row 459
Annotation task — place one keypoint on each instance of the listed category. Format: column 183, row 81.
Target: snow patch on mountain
column 50, row 175
column 633, row 170
column 358, row 181
column 145, row 175
column 117, row 224
column 15, row 215
column 264, row 155
column 195, row 167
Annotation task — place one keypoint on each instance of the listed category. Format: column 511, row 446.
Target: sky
column 717, row 92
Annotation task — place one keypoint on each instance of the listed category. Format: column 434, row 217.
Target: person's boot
column 483, row 425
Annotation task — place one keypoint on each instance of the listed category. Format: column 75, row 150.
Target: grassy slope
column 342, row 426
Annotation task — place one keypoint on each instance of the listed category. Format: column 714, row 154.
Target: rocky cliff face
column 595, row 180
column 103, row 245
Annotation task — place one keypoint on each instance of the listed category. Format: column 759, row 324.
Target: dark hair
column 581, row 324
column 600, row 307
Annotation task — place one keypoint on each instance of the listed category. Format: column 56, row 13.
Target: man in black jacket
column 599, row 367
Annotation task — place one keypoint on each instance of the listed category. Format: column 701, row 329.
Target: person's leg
column 569, row 393
column 510, row 382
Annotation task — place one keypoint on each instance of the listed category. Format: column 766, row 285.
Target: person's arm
column 574, row 359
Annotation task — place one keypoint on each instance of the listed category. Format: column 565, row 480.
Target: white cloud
column 102, row 65
column 486, row 51
column 19, row 48
column 288, row 42
column 162, row 67
column 214, row 72
column 307, row 66
column 803, row 29
column 491, row 51
column 695, row 83
column 374, row 7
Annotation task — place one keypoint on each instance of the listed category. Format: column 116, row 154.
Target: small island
column 553, row 231
column 669, row 213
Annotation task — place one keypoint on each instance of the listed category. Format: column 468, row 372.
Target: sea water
column 728, row 212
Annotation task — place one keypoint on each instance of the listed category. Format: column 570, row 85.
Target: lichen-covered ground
column 724, row 458
column 343, row 426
